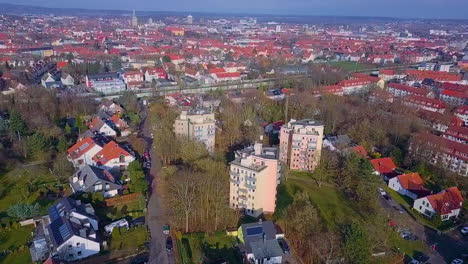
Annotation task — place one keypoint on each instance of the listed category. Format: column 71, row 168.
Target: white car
column 382, row 192
column 464, row 230
column 457, row 261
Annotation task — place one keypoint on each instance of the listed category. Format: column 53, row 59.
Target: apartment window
column 69, row 246
column 78, row 244
column 79, row 253
column 420, row 207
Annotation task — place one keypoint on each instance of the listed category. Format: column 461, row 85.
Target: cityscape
column 222, row 137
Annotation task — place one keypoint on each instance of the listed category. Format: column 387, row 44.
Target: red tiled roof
column 462, row 110
column 227, row 74
column 447, row 146
column 360, row 150
column 109, row 152
column 383, row 165
column 453, row 93
column 425, row 101
column 435, row 75
column 446, row 201
column 411, row 181
column 408, row 89
column 458, row 132
column 81, row 147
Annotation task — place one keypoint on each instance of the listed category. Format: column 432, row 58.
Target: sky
column 454, row 9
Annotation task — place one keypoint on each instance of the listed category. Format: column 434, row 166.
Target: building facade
column 199, row 125
column 301, row 144
column 254, row 175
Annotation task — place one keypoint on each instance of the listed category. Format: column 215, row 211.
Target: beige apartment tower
column 199, row 125
column 301, row 144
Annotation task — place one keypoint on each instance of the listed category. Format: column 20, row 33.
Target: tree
column 183, row 196
column 17, row 124
column 137, row 182
column 62, row 169
column 36, row 144
column 24, row 211
column 356, row 244
column 116, row 63
column 166, row 58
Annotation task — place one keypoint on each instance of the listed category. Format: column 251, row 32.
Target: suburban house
column 83, row 151
column 155, row 74
column 73, row 230
column 110, row 107
column 67, row 79
column 254, row 175
column 409, row 184
column 94, row 179
column 275, row 94
column 260, row 242
column 447, row 204
column 112, row 157
column 100, row 126
column 133, row 79
column 384, row 167
column 301, row 144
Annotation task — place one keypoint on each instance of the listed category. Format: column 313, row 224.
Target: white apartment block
column 254, row 175
column 198, row 125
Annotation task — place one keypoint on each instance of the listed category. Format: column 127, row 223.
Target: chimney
column 258, row 148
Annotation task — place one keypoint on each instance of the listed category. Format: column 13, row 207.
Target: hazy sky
column 390, row 8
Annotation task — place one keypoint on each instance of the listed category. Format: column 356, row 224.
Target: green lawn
column 351, row 65
column 132, row 239
column 16, row 240
column 217, row 248
column 134, row 209
column 410, row 248
column 333, row 207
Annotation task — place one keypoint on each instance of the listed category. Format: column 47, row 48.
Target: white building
column 447, row 204
column 72, row 230
column 83, row 151
column 199, row 125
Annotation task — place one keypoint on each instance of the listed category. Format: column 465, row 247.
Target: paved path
column 156, row 217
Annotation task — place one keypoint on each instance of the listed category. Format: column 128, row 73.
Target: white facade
column 394, row 184
column 199, row 125
column 86, row 158
column 77, row 247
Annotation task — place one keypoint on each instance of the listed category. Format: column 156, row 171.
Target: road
column 156, row 217
column 449, row 245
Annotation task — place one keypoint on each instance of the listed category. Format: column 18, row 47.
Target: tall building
column 197, row 124
column 134, row 19
column 254, row 175
column 190, row 19
column 301, row 144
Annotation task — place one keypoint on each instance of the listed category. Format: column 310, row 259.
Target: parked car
column 457, row 261
column 138, row 221
column 284, row 246
column 382, row 192
column 166, row 229
column 147, row 165
column 464, row 230
column 169, row 243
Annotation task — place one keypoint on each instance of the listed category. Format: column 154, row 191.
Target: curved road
column 156, row 217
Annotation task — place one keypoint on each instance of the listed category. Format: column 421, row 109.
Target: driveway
column 447, row 246
column 156, row 217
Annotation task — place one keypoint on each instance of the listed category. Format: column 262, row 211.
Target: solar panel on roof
column 53, row 213
column 64, row 232
column 252, row 231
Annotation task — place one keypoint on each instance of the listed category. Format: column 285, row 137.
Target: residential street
column 156, row 217
column 448, row 246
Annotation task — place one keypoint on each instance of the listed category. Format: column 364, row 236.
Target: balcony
column 250, row 186
column 235, row 181
column 248, row 178
column 243, row 190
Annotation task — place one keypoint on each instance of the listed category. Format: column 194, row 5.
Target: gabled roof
column 89, row 176
column 446, row 201
column 411, row 181
column 109, row 152
column 81, row 147
column 360, row 150
column 383, row 165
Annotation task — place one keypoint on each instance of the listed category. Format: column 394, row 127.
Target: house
column 455, row 98
column 73, row 230
column 48, row 78
column 133, row 79
column 355, row 85
column 112, row 157
column 360, row 151
column 337, row 143
column 446, row 204
column 462, row 113
column 457, row 133
column 197, row 124
column 384, row 167
column 94, row 179
column 426, row 103
column 437, row 121
column 409, row 184
column 275, row 94
column 260, row 242
column 155, row 74
column 110, row 107
column 83, row 151
column 400, row 90
column 226, row 76
column 100, row 126
column 67, row 79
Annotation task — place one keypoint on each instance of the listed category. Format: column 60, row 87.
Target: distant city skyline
column 448, row 9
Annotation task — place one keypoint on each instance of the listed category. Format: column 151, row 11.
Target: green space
column 15, row 240
column 133, row 209
column 351, row 65
column 335, row 211
column 208, row 248
column 434, row 223
column 131, row 239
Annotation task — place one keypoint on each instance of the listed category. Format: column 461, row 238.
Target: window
column 79, row 253
column 78, row 244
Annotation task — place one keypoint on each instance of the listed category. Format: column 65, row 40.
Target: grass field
column 216, row 248
column 131, row 239
column 335, row 210
column 16, row 240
